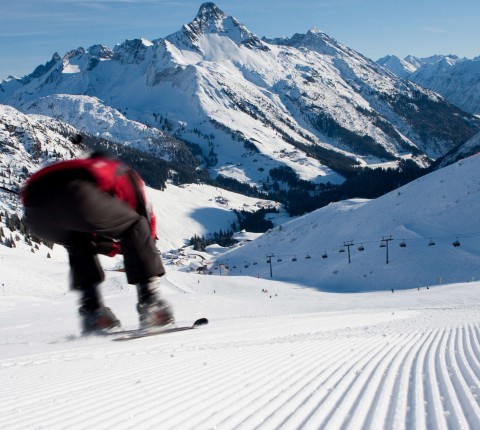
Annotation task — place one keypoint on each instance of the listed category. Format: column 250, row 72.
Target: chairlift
column 294, row 259
column 279, row 260
column 324, row 255
column 342, row 250
column 247, row 266
column 431, row 243
column 456, row 243
column 255, row 263
column 308, row 256
column 361, row 247
column 383, row 244
column 403, row 244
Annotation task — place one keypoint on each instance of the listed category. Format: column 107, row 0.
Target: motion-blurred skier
column 98, row 205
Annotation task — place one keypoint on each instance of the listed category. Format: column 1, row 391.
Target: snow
column 92, row 116
column 215, row 84
column 193, row 209
column 71, row 68
column 401, row 68
column 456, row 79
column 435, row 208
column 277, row 353
column 290, row 358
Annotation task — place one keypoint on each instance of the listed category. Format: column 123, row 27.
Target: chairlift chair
column 383, row 244
column 456, row 243
column 403, row 244
column 324, row 255
column 431, row 243
column 294, row 259
column 361, row 247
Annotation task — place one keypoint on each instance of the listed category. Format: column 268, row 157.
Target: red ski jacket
column 110, row 175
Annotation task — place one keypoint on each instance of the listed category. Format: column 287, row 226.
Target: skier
column 97, row 205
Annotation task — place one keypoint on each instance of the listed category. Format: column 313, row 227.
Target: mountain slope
column 251, row 105
column 469, row 148
column 92, row 116
column 456, row 79
column 28, row 142
column 400, row 67
column 439, row 207
column 410, row 64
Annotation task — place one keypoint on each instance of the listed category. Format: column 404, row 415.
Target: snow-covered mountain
column 408, row 65
column 26, row 141
column 92, row 116
column 30, row 141
column 456, row 79
column 400, row 67
column 418, row 222
column 251, row 105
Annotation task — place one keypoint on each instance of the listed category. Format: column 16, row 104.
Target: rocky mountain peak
column 73, row 53
column 209, row 19
column 209, row 12
column 132, row 51
column 212, row 20
column 101, row 52
column 43, row 69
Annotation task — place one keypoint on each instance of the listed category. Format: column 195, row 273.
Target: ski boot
column 153, row 311
column 98, row 320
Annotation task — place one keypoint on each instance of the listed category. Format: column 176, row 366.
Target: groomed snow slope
column 290, row 358
column 277, row 353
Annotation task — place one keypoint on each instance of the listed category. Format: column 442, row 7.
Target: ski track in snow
column 401, row 370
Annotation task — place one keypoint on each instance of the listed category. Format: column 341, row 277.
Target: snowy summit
column 306, row 103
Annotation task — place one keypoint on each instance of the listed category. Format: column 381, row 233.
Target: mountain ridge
column 456, row 79
column 247, row 101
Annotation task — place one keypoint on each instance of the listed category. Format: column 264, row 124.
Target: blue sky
column 32, row 30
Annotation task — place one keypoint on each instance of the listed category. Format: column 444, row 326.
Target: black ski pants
column 69, row 213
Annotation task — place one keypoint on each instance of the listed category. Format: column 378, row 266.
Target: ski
column 138, row 334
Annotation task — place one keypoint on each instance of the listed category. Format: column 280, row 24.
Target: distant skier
column 97, row 205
